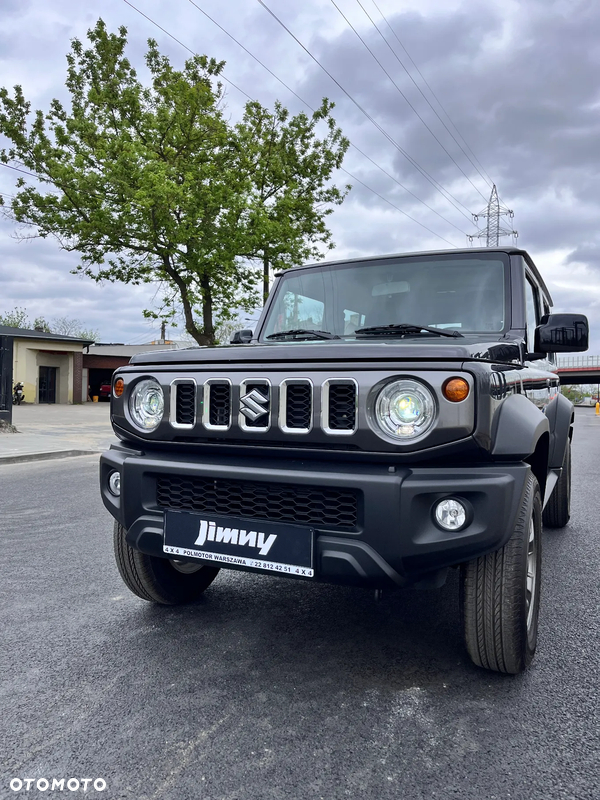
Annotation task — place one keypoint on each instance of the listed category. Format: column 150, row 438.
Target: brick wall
column 105, row 362
column 77, row 377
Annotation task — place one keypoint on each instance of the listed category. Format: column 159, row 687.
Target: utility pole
column 493, row 230
column 163, row 331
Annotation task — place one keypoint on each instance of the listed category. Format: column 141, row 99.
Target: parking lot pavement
column 270, row 689
column 56, row 431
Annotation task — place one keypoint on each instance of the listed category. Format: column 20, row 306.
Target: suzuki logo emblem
column 251, row 405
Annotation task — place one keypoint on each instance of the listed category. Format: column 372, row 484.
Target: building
column 101, row 360
column 55, row 368
column 47, row 364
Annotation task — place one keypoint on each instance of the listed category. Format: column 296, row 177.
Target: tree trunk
column 207, row 337
column 207, row 311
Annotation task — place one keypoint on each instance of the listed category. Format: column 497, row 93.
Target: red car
column 105, row 390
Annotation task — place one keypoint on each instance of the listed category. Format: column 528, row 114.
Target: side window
column 532, row 313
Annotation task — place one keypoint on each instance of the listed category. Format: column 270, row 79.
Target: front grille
column 219, row 412
column 293, row 405
column 303, row 505
column 342, row 406
column 298, row 406
column 185, row 404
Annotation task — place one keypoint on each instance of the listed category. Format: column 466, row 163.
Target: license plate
column 229, row 542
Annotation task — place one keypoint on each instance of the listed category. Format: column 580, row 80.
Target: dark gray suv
column 391, row 418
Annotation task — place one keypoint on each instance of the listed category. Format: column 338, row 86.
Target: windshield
column 462, row 293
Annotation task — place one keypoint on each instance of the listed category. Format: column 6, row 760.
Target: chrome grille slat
column 182, row 412
column 296, row 405
column 217, row 404
column 340, row 406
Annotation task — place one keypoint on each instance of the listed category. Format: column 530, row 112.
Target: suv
column 391, row 418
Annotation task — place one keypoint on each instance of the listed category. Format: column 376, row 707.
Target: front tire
column 160, row 580
column 500, row 594
column 558, row 508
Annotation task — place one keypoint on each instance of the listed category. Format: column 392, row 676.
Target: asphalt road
column 273, row 689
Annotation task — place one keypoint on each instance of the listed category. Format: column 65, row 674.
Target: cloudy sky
column 518, row 80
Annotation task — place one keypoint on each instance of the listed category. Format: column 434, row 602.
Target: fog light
column 450, row 515
column 114, row 483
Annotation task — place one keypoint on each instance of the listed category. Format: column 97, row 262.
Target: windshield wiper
column 403, row 328
column 303, row 332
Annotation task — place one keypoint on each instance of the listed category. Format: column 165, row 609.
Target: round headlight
column 147, row 404
column 405, row 409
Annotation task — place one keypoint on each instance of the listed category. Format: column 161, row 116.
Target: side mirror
column 562, row 333
column 242, row 337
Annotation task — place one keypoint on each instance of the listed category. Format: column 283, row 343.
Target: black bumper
column 392, row 540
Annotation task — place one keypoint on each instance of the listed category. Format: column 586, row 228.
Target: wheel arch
column 561, row 415
column 538, row 461
column 518, row 428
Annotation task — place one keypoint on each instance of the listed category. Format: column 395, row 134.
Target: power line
column 17, row 169
column 193, row 52
column 354, row 178
column 283, row 83
column 214, row 21
column 399, row 90
column 485, row 175
column 308, row 106
column 437, row 186
column 399, row 60
column 189, row 49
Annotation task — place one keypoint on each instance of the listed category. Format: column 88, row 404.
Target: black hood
column 471, row 348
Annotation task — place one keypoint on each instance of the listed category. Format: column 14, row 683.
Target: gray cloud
column 519, row 80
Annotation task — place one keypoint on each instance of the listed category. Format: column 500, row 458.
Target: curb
column 46, row 456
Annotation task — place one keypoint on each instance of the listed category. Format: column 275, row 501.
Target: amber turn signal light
column 119, row 387
column 456, row 389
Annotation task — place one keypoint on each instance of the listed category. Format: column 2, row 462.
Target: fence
column 579, row 361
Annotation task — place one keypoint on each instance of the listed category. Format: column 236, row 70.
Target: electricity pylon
column 493, row 230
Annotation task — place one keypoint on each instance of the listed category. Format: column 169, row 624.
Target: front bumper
column 393, row 539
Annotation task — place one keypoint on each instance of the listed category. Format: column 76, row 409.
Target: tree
column 573, row 393
column 65, row 326
column 290, row 195
column 17, row 318
column 73, row 327
column 153, row 184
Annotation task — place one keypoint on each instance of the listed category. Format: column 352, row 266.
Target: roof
column 24, row 333
column 123, row 350
column 509, row 249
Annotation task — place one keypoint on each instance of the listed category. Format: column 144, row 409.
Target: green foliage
column 40, row 324
column 153, row 184
column 573, row 393
column 65, row 326
column 290, row 195
column 17, row 318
